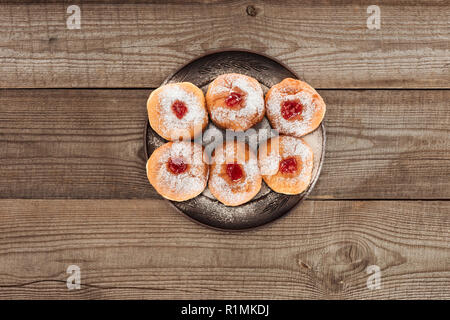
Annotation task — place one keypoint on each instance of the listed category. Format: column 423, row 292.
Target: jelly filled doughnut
column 177, row 170
column 234, row 174
column 235, row 101
column 286, row 164
column 294, row 107
column 177, row 110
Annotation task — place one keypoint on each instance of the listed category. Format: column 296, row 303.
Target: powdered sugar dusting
column 193, row 179
column 253, row 104
column 238, row 191
column 291, row 127
column 291, row 147
column 195, row 114
column 269, row 164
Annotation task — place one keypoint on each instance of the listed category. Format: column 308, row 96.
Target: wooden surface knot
column 251, row 11
column 331, row 267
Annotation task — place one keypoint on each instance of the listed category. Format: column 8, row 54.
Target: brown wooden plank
column 386, row 144
column 138, row 44
column 73, row 144
column 89, row 144
column 144, row 249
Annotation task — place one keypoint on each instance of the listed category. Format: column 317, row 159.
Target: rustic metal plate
column 267, row 205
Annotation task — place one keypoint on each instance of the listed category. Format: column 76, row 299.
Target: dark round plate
column 267, row 205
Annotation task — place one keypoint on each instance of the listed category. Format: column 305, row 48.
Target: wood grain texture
column 137, row 44
column 73, row 188
column 89, row 144
column 144, row 249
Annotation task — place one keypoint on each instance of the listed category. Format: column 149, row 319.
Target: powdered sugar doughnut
column 177, row 110
column 286, row 164
column 234, row 174
column 177, row 170
column 294, row 107
column 235, row 101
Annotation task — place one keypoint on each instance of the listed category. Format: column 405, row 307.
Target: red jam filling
column 179, row 109
column 233, row 99
column 291, row 108
column 176, row 166
column 288, row 165
column 234, row 171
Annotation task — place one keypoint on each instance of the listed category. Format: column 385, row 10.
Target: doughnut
column 286, row 164
column 294, row 108
column 177, row 110
column 177, row 171
column 234, row 174
column 235, row 101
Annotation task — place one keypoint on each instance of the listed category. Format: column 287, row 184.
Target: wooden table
column 73, row 186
